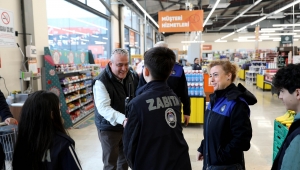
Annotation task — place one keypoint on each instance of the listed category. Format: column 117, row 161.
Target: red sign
column 207, row 47
column 180, row 21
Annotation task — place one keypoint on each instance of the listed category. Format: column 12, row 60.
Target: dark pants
column 112, row 150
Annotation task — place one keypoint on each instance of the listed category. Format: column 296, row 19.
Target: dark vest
column 117, row 93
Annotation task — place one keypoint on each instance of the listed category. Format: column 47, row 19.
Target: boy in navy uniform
column 153, row 137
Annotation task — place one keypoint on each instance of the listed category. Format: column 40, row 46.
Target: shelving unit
column 73, row 85
column 253, row 71
column 283, row 55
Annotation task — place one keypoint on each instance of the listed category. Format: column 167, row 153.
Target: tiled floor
column 259, row 157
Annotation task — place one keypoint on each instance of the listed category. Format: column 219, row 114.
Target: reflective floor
column 259, row 157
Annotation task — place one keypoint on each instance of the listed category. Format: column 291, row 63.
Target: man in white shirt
column 111, row 87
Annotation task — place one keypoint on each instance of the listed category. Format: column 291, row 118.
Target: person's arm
column 4, row 110
column 184, row 97
column 290, row 159
column 103, row 101
column 69, row 159
column 241, row 130
column 131, row 135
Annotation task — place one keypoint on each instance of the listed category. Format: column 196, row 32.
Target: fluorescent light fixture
column 146, row 13
column 257, row 21
column 286, row 25
column 267, row 31
column 246, row 40
column 287, row 6
column 247, row 37
column 227, row 35
column 241, row 29
column 296, row 39
column 105, row 38
column 296, row 36
column 276, row 40
column 271, row 29
column 241, row 14
column 219, row 40
column 279, row 34
column 184, row 42
column 296, row 30
column 210, row 13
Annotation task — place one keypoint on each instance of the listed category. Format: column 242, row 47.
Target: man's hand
column 124, row 122
column 11, row 121
column 199, row 156
column 186, row 119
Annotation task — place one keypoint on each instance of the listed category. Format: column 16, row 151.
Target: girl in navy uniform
column 42, row 141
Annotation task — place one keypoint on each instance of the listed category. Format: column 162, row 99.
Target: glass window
column 72, row 28
column 149, row 31
column 126, row 36
column 127, row 16
column 135, row 22
column 97, row 5
column 149, row 44
column 137, row 42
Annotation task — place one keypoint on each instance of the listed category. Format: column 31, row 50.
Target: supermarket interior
column 61, row 46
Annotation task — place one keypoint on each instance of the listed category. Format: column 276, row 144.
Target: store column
column 36, row 24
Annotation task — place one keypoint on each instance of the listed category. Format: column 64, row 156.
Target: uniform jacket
column 288, row 155
column 177, row 82
column 4, row 109
column 109, row 97
column 62, row 154
column 153, row 138
column 227, row 127
column 196, row 66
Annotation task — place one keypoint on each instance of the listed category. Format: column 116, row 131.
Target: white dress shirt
column 102, row 101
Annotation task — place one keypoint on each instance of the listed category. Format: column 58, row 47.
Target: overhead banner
column 180, row 21
column 7, row 32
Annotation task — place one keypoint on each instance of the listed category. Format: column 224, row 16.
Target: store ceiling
column 222, row 16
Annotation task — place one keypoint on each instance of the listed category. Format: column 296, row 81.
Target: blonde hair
column 227, row 66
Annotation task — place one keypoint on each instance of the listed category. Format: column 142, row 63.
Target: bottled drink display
column 195, row 83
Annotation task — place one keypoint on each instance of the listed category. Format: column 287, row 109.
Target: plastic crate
column 280, row 129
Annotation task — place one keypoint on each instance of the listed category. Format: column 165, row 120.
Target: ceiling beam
column 161, row 5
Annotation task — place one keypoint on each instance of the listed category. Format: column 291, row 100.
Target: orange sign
column 180, row 21
column 131, row 38
column 207, row 47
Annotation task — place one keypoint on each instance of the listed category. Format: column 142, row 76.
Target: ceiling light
column 285, row 7
column 241, row 14
column 286, row 25
column 271, row 29
column 296, row 30
column 184, row 42
column 267, row 31
column 276, row 40
column 247, row 37
column 146, row 13
column 296, row 36
column 279, row 34
column 257, row 21
column 241, row 29
column 210, row 13
column 228, row 35
column 218, row 40
column 296, row 39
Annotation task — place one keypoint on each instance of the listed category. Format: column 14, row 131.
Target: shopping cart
column 8, row 136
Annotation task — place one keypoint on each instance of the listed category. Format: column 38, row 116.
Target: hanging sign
column 7, row 32
column 180, row 21
column 286, row 39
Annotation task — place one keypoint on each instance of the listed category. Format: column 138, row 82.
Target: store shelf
column 74, row 81
column 73, row 109
column 74, row 71
column 78, row 97
column 70, row 91
column 83, row 115
column 84, row 103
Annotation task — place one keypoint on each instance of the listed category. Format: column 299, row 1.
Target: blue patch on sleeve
column 177, row 71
